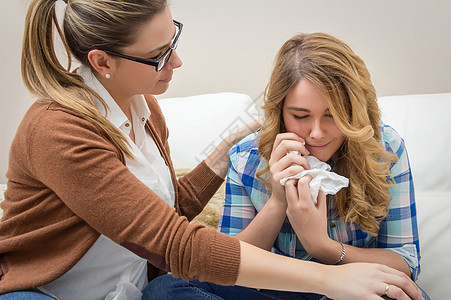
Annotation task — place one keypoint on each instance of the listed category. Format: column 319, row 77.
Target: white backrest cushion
column 423, row 121
column 198, row 123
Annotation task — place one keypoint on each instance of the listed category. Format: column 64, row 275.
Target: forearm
column 332, row 252
column 376, row 255
column 263, row 229
column 195, row 190
column 260, row 269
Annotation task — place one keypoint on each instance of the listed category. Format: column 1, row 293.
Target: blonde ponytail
column 84, row 29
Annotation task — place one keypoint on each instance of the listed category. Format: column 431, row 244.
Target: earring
column 107, row 76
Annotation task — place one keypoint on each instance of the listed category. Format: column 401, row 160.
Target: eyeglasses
column 163, row 59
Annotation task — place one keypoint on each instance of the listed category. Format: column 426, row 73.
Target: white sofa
column 198, row 123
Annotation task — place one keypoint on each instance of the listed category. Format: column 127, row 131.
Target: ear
column 101, row 62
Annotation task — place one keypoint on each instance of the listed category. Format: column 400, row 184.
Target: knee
column 162, row 287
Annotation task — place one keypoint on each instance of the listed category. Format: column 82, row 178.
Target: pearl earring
column 107, row 76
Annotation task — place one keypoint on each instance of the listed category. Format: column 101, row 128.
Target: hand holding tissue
column 323, row 179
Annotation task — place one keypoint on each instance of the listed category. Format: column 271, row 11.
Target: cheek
column 139, row 78
column 295, row 126
column 336, row 132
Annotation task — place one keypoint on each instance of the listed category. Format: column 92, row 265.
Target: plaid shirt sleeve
column 244, row 194
column 399, row 231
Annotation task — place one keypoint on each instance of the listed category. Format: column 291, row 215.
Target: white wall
column 230, row 46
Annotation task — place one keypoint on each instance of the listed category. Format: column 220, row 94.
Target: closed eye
column 157, row 57
column 300, row 117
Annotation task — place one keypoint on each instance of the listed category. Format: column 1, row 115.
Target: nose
column 175, row 60
column 317, row 131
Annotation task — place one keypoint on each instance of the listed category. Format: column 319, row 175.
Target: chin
column 321, row 157
column 160, row 89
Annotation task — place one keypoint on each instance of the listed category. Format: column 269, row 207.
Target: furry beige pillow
column 2, row 190
column 211, row 213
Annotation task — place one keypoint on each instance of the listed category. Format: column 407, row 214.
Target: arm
column 263, row 227
column 398, row 228
column 98, row 193
column 350, row 281
column 399, row 231
column 240, row 217
column 198, row 186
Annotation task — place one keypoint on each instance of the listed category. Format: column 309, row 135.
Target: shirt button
column 333, row 225
column 127, row 124
column 143, row 119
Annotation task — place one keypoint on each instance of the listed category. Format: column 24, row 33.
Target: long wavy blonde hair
column 88, row 25
column 344, row 81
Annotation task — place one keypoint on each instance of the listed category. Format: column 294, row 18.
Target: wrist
column 277, row 204
column 330, row 252
column 342, row 255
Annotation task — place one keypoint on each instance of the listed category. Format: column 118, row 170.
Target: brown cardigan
column 67, row 184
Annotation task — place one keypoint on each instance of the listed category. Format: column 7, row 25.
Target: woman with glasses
column 93, row 209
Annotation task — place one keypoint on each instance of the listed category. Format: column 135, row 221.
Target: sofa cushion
column 423, row 122
column 198, row 123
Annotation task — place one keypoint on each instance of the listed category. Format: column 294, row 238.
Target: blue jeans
column 25, row 295
column 167, row 287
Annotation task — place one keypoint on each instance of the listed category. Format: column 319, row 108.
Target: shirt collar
column 140, row 109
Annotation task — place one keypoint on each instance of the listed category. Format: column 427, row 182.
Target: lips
column 167, row 79
column 317, row 147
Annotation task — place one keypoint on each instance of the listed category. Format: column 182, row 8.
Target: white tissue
column 323, row 179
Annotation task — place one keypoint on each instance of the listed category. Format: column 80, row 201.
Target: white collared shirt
column 109, row 271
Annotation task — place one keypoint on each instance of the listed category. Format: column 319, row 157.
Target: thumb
column 291, row 192
column 322, row 200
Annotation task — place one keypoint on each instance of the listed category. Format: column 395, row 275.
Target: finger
column 288, row 160
column 289, row 141
column 291, row 192
column 287, row 146
column 287, row 172
column 321, row 201
column 294, row 157
column 394, row 292
column 401, row 281
column 304, row 190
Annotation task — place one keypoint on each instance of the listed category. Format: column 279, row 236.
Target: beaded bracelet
column 343, row 253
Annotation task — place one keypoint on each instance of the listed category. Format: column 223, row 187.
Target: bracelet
column 343, row 253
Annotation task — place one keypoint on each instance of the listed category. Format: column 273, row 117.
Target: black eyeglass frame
column 155, row 63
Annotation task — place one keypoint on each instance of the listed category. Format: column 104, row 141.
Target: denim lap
column 168, row 287
column 25, row 295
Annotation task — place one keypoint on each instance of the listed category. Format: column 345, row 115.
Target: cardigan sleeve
column 76, row 161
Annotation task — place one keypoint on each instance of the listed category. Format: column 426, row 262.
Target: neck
column 122, row 100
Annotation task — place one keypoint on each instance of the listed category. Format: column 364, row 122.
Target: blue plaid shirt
column 246, row 195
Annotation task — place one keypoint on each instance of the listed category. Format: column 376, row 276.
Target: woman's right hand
column 286, row 161
column 370, row 281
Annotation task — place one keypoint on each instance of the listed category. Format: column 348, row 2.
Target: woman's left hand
column 309, row 221
column 218, row 160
